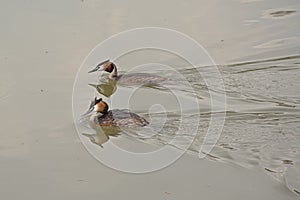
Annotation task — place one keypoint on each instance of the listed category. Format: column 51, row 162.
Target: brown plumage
column 128, row 79
column 122, row 118
column 108, row 67
column 116, row 117
column 101, row 107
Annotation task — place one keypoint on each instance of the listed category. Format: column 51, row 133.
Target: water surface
column 255, row 44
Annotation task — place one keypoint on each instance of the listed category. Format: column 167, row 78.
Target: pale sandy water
column 255, row 43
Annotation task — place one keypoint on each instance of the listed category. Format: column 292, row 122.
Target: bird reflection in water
column 106, row 88
column 103, row 134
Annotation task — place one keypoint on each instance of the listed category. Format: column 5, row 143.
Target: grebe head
column 97, row 105
column 104, row 66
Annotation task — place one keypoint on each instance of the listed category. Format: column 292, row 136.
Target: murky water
column 262, row 113
column 255, row 43
column 263, row 96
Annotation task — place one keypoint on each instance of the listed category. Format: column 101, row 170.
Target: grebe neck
column 114, row 74
column 94, row 116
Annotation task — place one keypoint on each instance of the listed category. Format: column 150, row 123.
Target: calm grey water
column 255, row 43
column 262, row 89
column 262, row 114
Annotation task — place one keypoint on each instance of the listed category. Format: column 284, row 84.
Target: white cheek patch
column 96, row 107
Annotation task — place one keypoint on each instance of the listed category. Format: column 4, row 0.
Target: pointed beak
column 98, row 68
column 93, row 85
column 88, row 111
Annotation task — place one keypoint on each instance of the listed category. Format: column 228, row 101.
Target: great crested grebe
column 128, row 79
column 114, row 118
